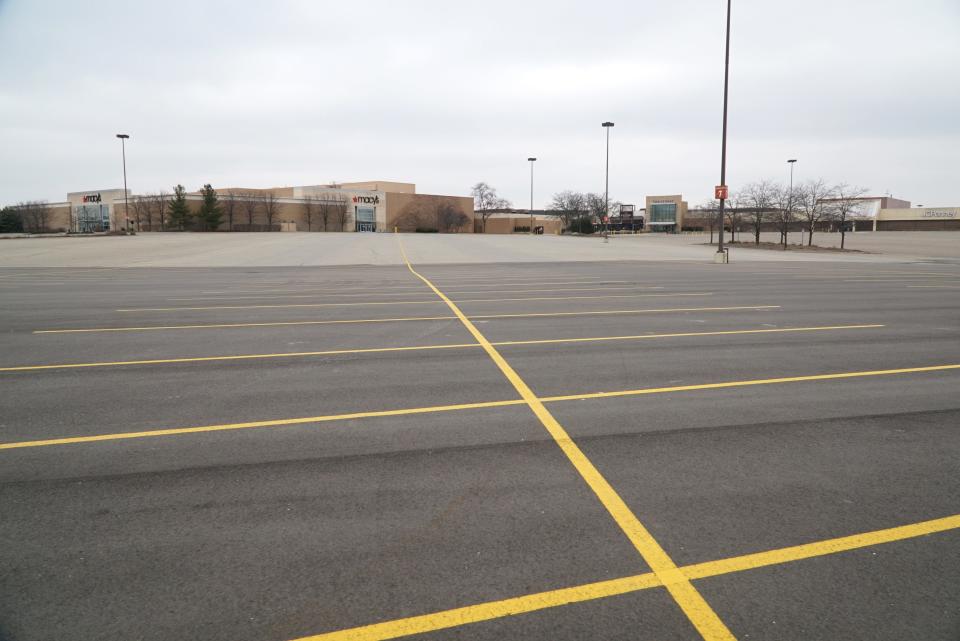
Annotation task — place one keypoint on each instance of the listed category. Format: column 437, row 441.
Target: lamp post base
column 722, row 257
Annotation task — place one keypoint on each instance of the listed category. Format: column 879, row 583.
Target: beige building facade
column 514, row 223
column 919, row 219
column 371, row 206
column 665, row 213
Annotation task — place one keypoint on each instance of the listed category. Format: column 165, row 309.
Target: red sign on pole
column 720, row 192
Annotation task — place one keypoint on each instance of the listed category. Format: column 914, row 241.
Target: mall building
column 872, row 213
column 373, row 206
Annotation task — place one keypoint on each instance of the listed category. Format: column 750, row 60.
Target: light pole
column 606, row 189
column 531, row 160
column 126, row 205
column 792, row 162
column 723, row 144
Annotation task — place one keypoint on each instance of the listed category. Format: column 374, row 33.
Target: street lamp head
column 607, row 124
column 123, row 135
column 792, row 160
column 531, row 159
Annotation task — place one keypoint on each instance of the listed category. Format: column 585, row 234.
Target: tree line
column 32, row 217
column 238, row 210
column 765, row 203
column 576, row 210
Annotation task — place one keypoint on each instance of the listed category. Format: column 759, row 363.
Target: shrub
column 582, row 225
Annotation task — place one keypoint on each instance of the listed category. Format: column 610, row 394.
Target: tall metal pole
column 606, row 189
column 531, row 161
column 790, row 200
column 723, row 149
column 126, row 204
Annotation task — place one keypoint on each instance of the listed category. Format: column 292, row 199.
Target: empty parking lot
column 536, row 450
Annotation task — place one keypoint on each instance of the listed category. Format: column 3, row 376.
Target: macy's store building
column 375, row 206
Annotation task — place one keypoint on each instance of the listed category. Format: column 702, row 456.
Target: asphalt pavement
column 281, row 453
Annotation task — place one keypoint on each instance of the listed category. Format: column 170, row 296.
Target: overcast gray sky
column 446, row 93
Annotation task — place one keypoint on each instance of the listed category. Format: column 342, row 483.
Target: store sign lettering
column 367, row 200
column 91, row 198
column 939, row 214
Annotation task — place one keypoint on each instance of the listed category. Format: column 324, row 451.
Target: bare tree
column 160, row 200
column 782, row 199
column 310, row 207
column 339, row 210
column 325, row 210
column 597, row 206
column 35, row 215
column 568, row 205
column 757, row 199
column 432, row 216
column 141, row 212
column 811, row 199
column 450, row 218
column 845, row 203
column 486, row 201
column 734, row 214
column 416, row 217
column 271, row 206
column 712, row 207
column 230, row 206
column 250, row 206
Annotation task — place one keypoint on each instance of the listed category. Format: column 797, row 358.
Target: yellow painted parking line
column 820, row 548
column 279, row 306
column 730, row 332
column 409, row 302
column 934, row 286
column 499, row 279
column 238, row 357
column 466, row 406
column 887, row 280
column 309, row 287
column 231, row 325
column 469, row 291
column 628, row 311
column 749, row 383
column 690, row 601
column 412, row 348
column 458, row 617
column 72, row 440
column 404, row 319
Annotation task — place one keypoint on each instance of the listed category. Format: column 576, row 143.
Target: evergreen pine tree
column 10, row 220
column 179, row 211
column 211, row 211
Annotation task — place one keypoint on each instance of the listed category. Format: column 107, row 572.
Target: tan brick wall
column 507, row 224
column 398, row 205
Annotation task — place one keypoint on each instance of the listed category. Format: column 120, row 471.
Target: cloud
column 445, row 94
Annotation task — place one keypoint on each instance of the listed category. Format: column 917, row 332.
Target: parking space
column 538, row 451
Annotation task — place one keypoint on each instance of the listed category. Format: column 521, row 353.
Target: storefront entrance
column 366, row 218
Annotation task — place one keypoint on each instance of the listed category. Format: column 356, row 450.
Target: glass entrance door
column 366, row 218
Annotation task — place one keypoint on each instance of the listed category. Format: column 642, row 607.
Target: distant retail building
column 871, row 213
column 665, row 213
column 517, row 221
column 374, row 206
column 379, row 206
